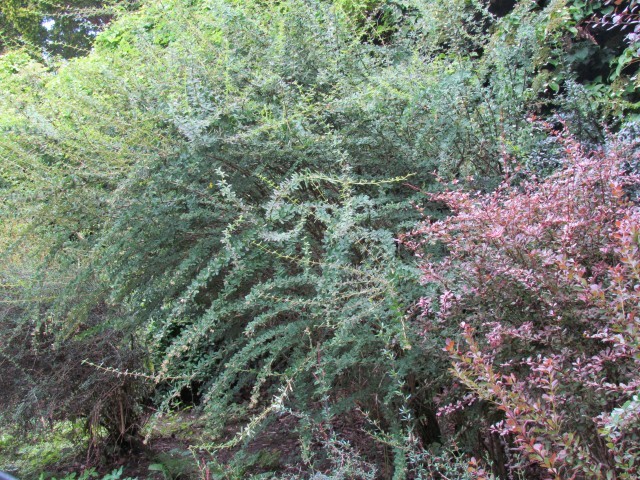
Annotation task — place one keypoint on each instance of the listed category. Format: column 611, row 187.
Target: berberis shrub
column 543, row 279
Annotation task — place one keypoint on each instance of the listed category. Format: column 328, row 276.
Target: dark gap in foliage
column 500, row 8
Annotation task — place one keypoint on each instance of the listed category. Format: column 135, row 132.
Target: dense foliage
column 289, row 208
column 542, row 278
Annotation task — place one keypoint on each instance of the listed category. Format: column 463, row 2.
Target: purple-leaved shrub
column 543, row 277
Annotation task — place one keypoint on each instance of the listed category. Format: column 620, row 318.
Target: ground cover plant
column 396, row 239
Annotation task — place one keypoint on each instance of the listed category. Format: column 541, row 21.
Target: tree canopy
column 55, row 28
